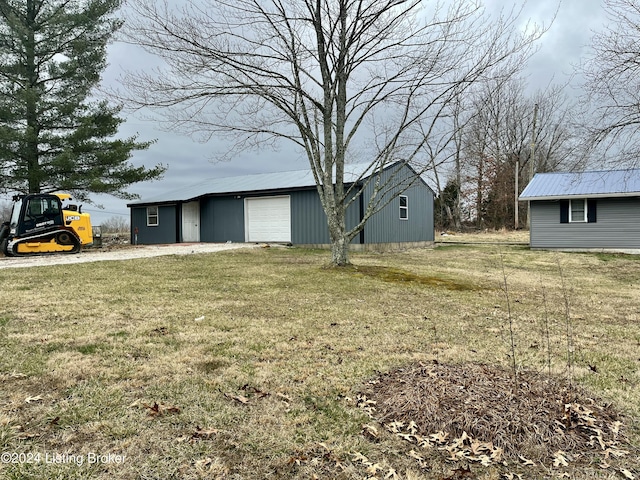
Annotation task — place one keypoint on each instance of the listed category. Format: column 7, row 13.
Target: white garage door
column 268, row 219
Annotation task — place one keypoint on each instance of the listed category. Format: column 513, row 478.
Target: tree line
column 505, row 136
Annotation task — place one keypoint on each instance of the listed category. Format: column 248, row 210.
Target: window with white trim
column 578, row 210
column 152, row 216
column 404, row 207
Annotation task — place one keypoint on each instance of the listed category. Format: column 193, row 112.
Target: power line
column 105, row 211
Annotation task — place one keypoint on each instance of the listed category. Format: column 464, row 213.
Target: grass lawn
column 252, row 364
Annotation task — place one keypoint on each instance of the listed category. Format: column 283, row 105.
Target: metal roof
column 261, row 182
column 605, row 183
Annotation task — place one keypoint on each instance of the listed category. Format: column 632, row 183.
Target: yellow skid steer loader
column 39, row 224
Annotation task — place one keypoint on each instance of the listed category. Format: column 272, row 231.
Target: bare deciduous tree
column 115, row 224
column 339, row 78
column 612, row 84
column 499, row 135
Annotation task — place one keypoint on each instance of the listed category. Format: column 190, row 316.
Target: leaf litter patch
column 480, row 414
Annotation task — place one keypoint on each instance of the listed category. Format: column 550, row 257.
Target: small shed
column 283, row 207
column 591, row 210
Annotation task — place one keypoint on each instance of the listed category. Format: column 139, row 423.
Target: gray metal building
column 594, row 210
column 284, row 207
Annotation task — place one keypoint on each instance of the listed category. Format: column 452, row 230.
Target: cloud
column 566, row 42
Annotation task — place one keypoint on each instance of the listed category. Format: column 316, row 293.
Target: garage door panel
column 268, row 219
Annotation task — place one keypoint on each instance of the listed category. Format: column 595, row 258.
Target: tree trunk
column 32, row 131
column 337, row 234
column 340, row 252
column 457, row 211
column 479, row 187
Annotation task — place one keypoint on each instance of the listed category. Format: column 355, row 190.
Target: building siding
column 165, row 232
column 222, row 219
column 309, row 222
column 617, row 226
column 386, row 226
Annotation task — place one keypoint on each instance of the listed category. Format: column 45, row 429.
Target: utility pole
column 517, row 219
column 532, row 159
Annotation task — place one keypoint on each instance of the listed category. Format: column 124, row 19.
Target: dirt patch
column 480, row 414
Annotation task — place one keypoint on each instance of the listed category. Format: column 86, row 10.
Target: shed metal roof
column 604, row 183
column 261, row 182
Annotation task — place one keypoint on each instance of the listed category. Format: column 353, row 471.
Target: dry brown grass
column 248, row 364
column 484, row 236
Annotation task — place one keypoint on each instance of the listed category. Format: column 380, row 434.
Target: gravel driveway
column 121, row 253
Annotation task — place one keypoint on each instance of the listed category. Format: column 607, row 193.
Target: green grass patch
column 396, row 275
column 119, row 334
column 90, row 348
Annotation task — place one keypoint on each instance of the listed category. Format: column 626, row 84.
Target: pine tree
column 53, row 134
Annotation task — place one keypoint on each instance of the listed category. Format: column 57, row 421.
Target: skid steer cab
column 40, row 224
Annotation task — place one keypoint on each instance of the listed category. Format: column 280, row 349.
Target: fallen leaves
column 37, row 398
column 461, row 448
column 526, row 462
column 12, row 376
column 512, row 476
column 212, row 466
column 320, row 455
column 371, row 432
column 560, row 459
column 461, row 474
column 238, row 398
column 200, row 434
column 205, row 432
column 160, row 331
column 250, row 393
column 373, row 468
column 366, row 405
column 627, row 474
column 155, row 409
column 472, row 414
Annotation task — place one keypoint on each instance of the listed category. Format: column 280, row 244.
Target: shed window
column 152, row 216
column 404, row 207
column 577, row 210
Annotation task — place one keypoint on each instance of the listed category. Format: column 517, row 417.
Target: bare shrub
column 116, row 224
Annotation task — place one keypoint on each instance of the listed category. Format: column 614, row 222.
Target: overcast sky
column 189, row 162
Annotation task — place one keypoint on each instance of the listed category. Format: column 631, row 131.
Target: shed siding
column 617, row 226
column 222, row 219
column 309, row 222
column 164, row 232
column 386, row 225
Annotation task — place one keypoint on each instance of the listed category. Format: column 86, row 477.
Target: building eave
column 569, row 197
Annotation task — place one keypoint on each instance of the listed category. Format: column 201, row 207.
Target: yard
column 460, row 361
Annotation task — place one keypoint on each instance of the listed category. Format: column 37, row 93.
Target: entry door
column 191, row 222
